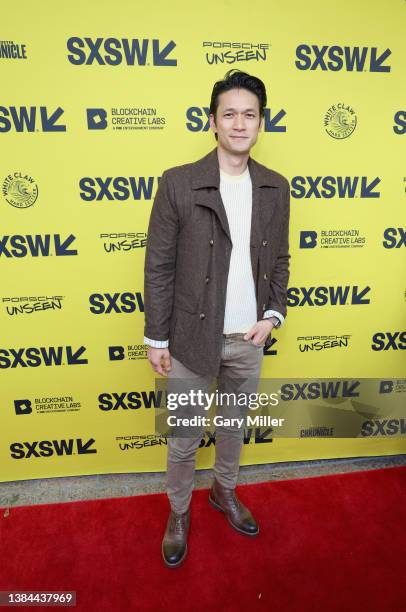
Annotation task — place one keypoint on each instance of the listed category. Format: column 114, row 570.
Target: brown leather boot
column 238, row 515
column 174, row 543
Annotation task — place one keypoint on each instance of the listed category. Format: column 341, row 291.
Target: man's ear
column 261, row 123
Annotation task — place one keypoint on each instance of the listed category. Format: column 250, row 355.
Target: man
column 216, row 274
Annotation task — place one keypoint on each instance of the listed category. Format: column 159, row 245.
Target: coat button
column 207, row 279
column 211, row 242
column 202, row 315
column 264, row 242
column 265, row 276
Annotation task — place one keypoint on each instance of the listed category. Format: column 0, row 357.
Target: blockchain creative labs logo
column 340, row 121
column 31, row 304
column 46, row 405
column 13, row 51
column 138, row 118
column 345, row 238
column 223, row 52
column 131, row 352
column 392, row 386
column 123, row 242
column 20, row 190
column 322, row 343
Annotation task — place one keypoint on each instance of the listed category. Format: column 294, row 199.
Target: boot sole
column 173, row 565
column 217, row 507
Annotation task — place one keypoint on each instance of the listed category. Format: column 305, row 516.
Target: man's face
column 237, row 121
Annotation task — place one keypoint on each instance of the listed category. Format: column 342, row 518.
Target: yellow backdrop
column 98, row 99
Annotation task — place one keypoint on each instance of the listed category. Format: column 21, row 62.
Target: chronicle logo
column 318, row 343
column 317, row 432
column 217, row 52
column 126, row 118
column 11, row 50
column 20, row 190
column 46, row 405
column 340, row 121
column 331, row 239
column 29, row 304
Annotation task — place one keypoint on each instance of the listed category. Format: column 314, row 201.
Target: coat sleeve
column 280, row 273
column 160, row 262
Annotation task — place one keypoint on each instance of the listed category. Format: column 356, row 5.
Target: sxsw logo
column 198, row 120
column 48, row 448
column 116, row 51
column 384, row 427
column 384, row 341
column 258, row 435
column 36, row 245
column 400, row 122
column 33, row 356
column 117, row 188
column 394, row 237
column 334, row 58
column 132, row 400
column 334, row 186
column 30, row 119
column 106, row 303
column 333, row 296
column 270, row 349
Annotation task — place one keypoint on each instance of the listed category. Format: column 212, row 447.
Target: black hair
column 234, row 79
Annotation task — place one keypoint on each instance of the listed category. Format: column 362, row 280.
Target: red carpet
column 327, row 544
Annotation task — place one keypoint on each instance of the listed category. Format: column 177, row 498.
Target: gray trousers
column 239, row 371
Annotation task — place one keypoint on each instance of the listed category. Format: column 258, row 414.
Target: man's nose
column 239, row 122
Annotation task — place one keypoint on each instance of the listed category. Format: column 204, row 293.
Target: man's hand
column 260, row 331
column 160, row 359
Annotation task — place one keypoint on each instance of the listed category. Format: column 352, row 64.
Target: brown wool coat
column 188, row 255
